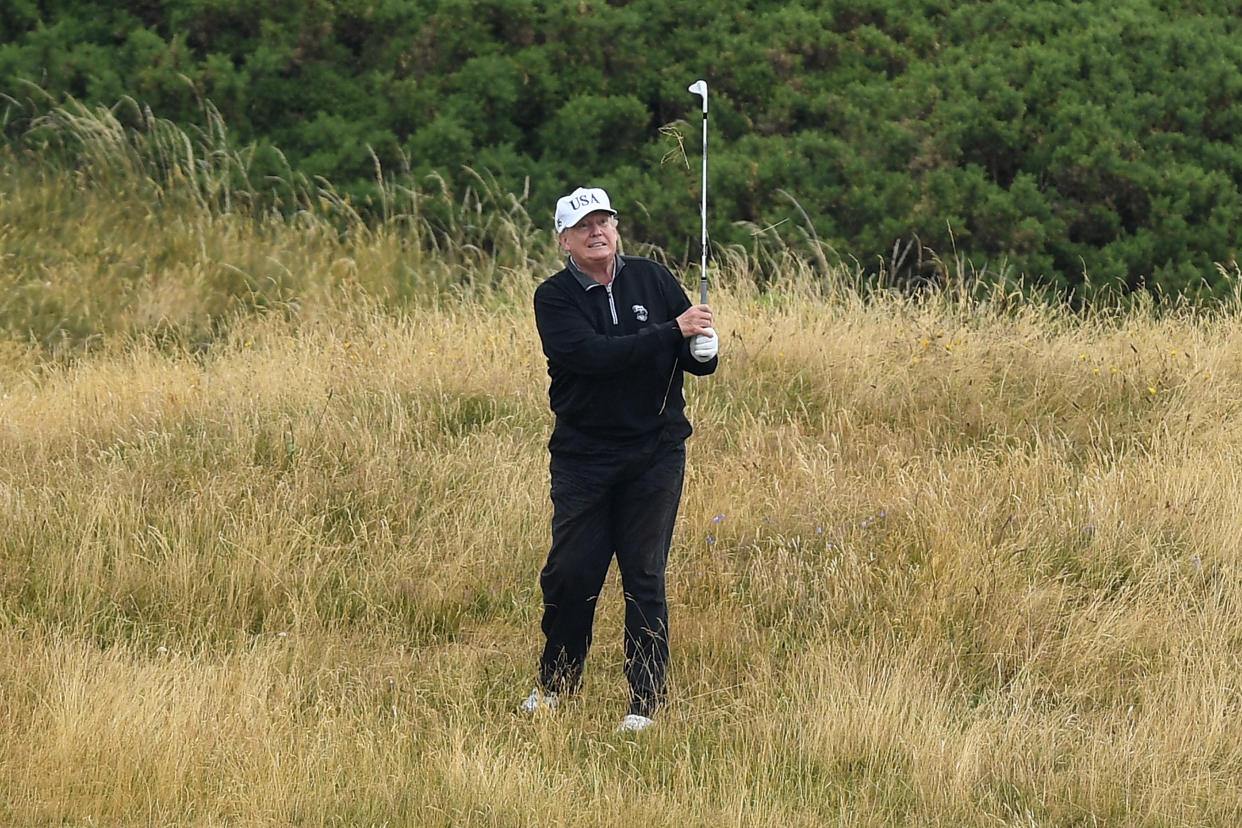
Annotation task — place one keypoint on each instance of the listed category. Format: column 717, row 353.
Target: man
column 618, row 333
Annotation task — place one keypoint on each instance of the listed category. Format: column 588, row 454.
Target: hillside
column 272, row 507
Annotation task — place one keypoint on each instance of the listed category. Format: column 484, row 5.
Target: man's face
column 593, row 240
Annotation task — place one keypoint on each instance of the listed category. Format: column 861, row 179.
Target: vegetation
column 272, row 509
column 1068, row 144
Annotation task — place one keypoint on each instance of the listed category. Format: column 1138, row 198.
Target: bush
column 1081, row 144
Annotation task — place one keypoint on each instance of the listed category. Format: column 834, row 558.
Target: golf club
column 699, row 87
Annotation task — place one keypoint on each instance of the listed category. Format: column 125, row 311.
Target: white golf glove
column 704, row 346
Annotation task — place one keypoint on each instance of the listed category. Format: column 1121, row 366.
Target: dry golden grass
column 933, row 567
column 941, row 560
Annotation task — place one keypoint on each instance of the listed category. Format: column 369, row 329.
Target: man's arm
column 570, row 340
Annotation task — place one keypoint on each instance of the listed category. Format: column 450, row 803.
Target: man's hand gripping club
column 696, row 325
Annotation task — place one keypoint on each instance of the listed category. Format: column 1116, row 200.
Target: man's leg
column 644, row 517
column 574, row 574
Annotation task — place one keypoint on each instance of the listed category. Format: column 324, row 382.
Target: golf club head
column 699, row 87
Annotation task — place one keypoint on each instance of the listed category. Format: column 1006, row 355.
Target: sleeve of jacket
column 569, row 339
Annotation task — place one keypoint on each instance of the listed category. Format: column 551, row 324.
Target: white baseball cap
column 571, row 208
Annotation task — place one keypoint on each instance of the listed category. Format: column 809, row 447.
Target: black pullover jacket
column 615, row 357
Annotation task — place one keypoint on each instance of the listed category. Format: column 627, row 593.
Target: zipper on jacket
column 612, row 305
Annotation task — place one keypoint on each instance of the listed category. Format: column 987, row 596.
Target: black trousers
column 606, row 506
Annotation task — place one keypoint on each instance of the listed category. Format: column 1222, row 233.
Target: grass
column 269, row 545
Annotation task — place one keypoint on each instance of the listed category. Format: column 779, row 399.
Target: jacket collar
column 586, row 281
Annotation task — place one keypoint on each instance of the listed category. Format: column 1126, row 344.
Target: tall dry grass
column 946, row 559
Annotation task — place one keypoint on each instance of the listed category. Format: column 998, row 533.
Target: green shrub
column 1082, row 144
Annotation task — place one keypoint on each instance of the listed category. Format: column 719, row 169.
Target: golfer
column 618, row 333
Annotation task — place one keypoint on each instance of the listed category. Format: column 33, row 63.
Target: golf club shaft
column 703, row 211
column 699, row 87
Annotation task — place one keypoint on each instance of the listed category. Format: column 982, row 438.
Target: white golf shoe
column 538, row 699
column 635, row 723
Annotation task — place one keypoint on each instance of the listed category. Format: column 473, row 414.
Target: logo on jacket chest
column 640, row 313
